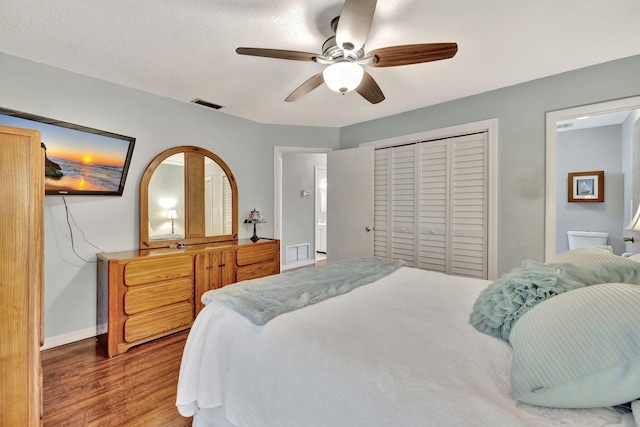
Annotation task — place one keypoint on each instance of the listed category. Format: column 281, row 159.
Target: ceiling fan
column 344, row 55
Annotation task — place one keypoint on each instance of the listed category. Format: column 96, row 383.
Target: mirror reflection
column 166, row 200
column 187, row 194
column 218, row 199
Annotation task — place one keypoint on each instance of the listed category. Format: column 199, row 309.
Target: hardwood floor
column 82, row 387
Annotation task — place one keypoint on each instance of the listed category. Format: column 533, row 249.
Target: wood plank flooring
column 82, row 387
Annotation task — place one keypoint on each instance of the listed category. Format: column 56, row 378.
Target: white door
column 350, row 203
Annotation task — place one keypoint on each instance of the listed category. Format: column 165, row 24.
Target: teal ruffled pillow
column 507, row 299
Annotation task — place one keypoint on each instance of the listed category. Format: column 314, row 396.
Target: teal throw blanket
column 260, row 300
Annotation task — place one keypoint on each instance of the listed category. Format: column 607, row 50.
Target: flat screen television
column 78, row 160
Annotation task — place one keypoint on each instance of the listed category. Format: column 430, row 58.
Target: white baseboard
column 298, row 264
column 74, row 336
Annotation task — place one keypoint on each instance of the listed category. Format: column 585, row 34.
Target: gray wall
column 520, row 111
column 298, row 212
column 157, row 123
column 586, row 150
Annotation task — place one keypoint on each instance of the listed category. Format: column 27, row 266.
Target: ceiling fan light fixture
column 343, row 76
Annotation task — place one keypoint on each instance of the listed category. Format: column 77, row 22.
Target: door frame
column 278, row 151
column 551, row 160
column 491, row 127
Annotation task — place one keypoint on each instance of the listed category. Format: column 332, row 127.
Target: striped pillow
column 580, row 349
column 583, row 255
column 601, row 265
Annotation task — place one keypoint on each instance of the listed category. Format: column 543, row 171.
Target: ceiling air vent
column 564, row 125
column 207, row 103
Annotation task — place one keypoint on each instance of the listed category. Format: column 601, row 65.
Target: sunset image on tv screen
column 77, row 160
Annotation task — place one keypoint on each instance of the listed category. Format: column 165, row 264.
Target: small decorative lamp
column 254, row 218
column 634, row 225
column 172, row 215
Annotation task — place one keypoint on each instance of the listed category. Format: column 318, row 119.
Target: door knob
column 367, row 228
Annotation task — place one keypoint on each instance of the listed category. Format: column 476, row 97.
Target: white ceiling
column 186, row 49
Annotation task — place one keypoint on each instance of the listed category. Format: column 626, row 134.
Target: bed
column 396, row 351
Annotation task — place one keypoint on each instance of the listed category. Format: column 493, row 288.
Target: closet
column 430, row 204
column 21, row 276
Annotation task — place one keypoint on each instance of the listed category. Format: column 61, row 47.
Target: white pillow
column 580, row 349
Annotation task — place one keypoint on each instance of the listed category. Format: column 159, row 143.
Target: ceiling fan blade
column 369, row 89
column 277, row 53
column 354, row 24
column 306, row 87
column 413, row 54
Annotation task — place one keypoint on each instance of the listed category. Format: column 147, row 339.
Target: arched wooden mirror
column 187, row 194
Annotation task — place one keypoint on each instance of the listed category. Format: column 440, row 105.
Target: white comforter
column 397, row 352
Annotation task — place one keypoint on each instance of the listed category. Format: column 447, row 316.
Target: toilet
column 579, row 239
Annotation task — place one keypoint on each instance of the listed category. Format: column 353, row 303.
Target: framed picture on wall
column 586, row 186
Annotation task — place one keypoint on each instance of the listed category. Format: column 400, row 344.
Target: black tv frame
column 52, row 190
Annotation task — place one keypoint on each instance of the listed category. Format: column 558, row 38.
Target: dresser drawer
column 147, row 294
column 255, row 271
column 143, row 298
column 255, row 254
column 157, row 322
column 155, row 270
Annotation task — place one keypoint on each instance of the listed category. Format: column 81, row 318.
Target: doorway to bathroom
column 590, row 138
column 320, row 174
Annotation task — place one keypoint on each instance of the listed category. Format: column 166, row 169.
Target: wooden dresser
column 147, row 294
column 21, row 277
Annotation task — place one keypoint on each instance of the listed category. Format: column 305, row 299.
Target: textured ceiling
column 186, row 49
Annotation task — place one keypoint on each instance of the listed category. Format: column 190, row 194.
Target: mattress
column 398, row 351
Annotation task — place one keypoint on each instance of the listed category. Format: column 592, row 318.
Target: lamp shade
column 255, row 216
column 634, row 225
column 172, row 214
column 343, row 76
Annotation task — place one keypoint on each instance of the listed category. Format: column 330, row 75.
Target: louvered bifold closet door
column 381, row 203
column 403, row 204
column 430, row 204
column 433, row 205
column 468, row 227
